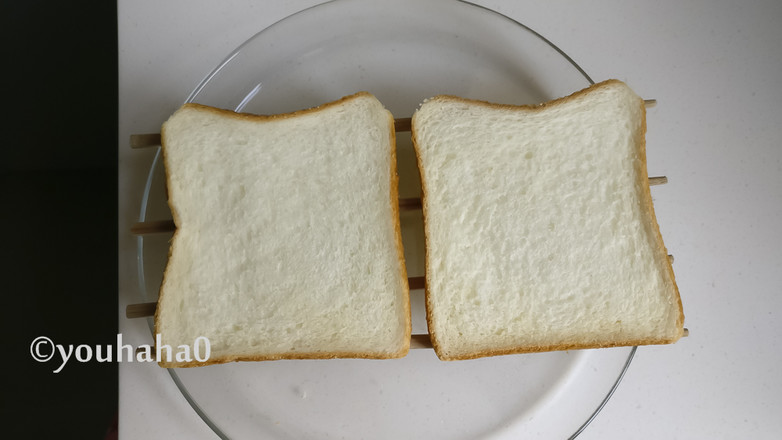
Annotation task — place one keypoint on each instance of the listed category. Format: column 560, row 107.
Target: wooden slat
column 153, row 139
column 406, row 204
column 416, row 283
column 141, row 310
column 420, row 341
column 659, row 180
column 153, row 227
column 409, row 204
column 402, row 124
column 144, row 140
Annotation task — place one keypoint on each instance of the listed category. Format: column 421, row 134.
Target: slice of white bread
column 540, row 230
column 288, row 241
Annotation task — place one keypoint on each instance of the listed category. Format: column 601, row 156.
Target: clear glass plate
column 403, row 52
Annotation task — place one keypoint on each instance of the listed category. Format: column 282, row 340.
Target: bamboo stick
column 406, row 204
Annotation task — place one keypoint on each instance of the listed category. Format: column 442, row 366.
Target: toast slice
column 288, row 243
column 540, row 230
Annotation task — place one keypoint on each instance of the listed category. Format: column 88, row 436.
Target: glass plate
column 403, row 52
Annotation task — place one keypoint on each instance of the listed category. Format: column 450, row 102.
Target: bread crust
column 280, row 357
column 398, row 238
column 394, row 203
column 427, row 267
column 661, row 253
column 260, row 118
column 544, row 348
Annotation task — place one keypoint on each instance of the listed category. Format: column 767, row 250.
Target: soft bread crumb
column 287, row 241
column 540, row 228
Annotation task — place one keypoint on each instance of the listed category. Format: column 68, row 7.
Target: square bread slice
column 540, row 231
column 288, row 243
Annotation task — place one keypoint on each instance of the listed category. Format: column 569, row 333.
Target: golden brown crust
column 643, row 181
column 648, row 206
column 283, row 356
column 427, row 267
column 394, row 194
column 261, row 118
column 556, row 347
column 175, row 216
column 529, row 107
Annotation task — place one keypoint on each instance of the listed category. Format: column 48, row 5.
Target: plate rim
column 203, row 84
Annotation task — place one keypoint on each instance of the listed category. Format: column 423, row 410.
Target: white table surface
column 715, row 69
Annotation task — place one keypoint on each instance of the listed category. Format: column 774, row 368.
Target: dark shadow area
column 58, row 198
